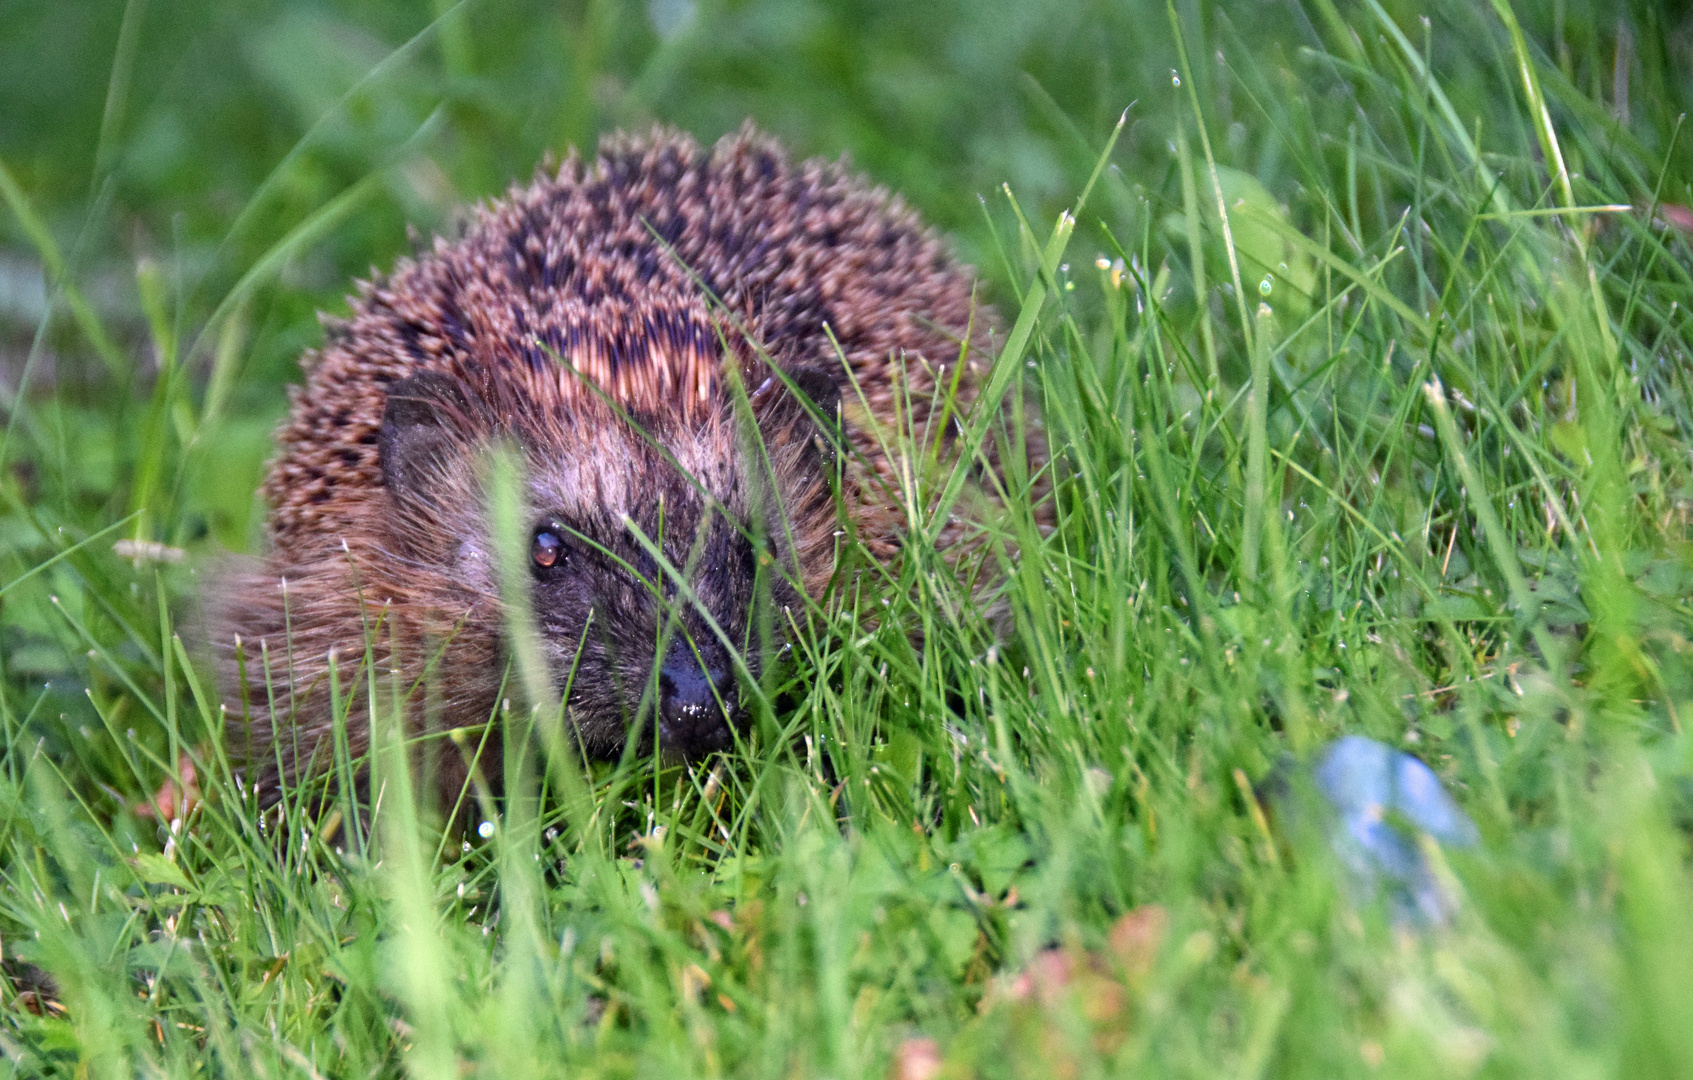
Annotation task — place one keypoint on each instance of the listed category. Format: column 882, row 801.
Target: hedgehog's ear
column 416, row 433
column 806, row 415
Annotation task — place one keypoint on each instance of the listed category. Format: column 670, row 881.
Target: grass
column 1365, row 366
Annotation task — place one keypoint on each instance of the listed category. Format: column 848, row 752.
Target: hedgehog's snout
column 697, row 701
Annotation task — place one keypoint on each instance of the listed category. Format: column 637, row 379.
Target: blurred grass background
column 1403, row 452
column 200, row 136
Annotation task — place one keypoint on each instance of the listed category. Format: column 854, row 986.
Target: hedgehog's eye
column 547, row 549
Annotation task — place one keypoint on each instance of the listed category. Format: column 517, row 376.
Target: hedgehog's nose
column 695, row 702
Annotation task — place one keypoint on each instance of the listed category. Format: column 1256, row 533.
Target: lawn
column 1360, row 333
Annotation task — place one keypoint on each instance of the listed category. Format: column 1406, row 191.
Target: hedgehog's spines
column 638, row 286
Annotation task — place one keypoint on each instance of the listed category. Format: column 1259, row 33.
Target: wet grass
column 1364, row 362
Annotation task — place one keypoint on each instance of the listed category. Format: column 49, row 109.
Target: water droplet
column 485, row 830
column 1267, row 286
column 1175, row 77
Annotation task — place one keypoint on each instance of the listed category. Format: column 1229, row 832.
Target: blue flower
column 1381, row 799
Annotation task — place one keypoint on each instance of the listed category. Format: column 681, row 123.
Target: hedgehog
column 700, row 358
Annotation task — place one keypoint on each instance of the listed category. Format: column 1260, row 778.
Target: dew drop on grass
column 1267, row 286
column 1175, row 77
column 485, row 830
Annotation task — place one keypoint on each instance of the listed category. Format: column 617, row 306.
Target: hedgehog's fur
column 664, row 274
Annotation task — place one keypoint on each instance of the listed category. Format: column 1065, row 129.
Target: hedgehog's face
column 663, row 564
column 652, row 618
